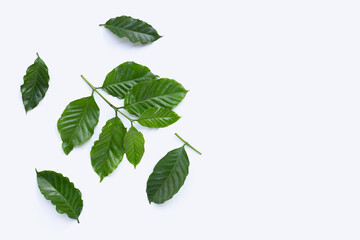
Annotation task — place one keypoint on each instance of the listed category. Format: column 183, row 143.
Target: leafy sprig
column 148, row 98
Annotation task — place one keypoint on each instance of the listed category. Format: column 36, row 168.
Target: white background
column 273, row 105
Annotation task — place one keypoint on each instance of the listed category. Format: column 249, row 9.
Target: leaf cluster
column 148, row 98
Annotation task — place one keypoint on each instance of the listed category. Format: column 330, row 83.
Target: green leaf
column 134, row 146
column 108, row 151
column 133, row 29
column 36, row 83
column 158, row 117
column 122, row 78
column 168, row 176
column 77, row 123
column 163, row 92
column 61, row 192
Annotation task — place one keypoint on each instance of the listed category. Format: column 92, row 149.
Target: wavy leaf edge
column 34, row 88
column 68, row 142
column 71, row 184
column 114, row 148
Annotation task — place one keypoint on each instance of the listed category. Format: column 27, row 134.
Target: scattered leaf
column 168, row 176
column 61, row 192
column 36, row 83
column 133, row 29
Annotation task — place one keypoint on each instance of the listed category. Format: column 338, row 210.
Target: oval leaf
column 158, row 117
column 163, row 92
column 134, row 146
column 61, row 192
column 77, row 123
column 133, row 29
column 36, row 83
column 108, row 151
column 168, row 176
column 118, row 82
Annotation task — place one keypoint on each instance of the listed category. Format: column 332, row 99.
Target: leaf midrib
column 155, row 118
column 133, row 136
column 152, row 98
column 108, row 146
column 81, row 119
column 107, row 25
column 126, row 81
column 36, row 82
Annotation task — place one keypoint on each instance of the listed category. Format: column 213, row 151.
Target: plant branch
column 131, row 120
column 186, row 143
column 107, row 101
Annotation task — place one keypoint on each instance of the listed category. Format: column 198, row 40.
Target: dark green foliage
column 61, row 192
column 108, row 151
column 134, row 146
column 163, row 92
column 77, row 123
column 122, row 78
column 157, row 117
column 133, row 29
column 168, row 176
column 36, row 83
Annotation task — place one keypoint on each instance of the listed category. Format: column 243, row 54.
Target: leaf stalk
column 188, row 144
column 95, row 89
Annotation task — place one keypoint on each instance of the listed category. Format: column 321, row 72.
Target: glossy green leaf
column 133, row 29
column 77, row 123
column 134, row 146
column 108, row 151
column 122, row 78
column 163, row 92
column 158, row 117
column 168, row 176
column 61, row 192
column 36, row 83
